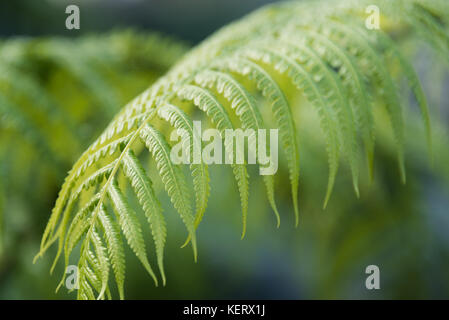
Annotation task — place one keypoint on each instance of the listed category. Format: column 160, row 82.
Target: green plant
column 339, row 68
column 55, row 94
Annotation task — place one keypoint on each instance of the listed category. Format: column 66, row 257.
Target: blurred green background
column 71, row 83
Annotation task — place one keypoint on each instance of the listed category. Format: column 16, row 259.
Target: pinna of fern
column 322, row 48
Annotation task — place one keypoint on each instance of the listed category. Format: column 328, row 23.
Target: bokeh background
column 71, row 83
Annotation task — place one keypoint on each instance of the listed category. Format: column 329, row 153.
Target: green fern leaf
column 172, row 177
column 115, row 247
column 283, row 116
column 200, row 174
column 150, row 204
column 130, row 226
column 208, row 103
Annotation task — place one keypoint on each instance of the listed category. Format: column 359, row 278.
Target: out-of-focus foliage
column 56, row 94
column 296, row 67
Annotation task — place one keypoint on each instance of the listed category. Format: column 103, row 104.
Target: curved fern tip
column 151, row 273
column 195, row 257
column 276, row 213
column 355, row 185
column 185, row 242
column 52, row 269
column 195, row 252
column 101, row 294
column 36, row 257
column 357, row 192
column 156, row 282
column 296, row 208
column 326, row 200
column 243, row 233
column 59, row 285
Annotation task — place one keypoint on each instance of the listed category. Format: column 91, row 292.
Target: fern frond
column 336, row 68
